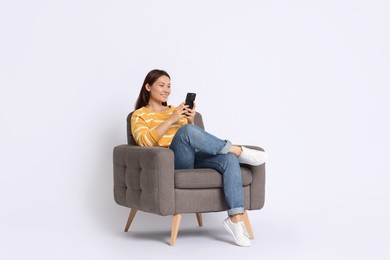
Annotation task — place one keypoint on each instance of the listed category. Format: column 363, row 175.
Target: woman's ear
column 147, row 86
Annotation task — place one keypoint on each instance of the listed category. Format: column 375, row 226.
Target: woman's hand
column 178, row 113
column 182, row 111
column 190, row 114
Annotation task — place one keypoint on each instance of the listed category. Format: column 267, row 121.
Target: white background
column 306, row 80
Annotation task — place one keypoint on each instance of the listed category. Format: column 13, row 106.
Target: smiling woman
column 154, row 123
column 162, row 82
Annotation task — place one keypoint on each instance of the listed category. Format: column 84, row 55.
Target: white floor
column 288, row 227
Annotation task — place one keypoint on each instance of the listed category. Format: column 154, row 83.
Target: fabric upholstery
column 145, row 179
column 206, row 178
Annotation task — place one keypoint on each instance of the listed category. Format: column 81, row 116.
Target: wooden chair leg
column 245, row 218
column 130, row 219
column 175, row 228
column 199, row 218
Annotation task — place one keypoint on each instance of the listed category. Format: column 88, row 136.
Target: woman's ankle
column 236, row 150
column 236, row 218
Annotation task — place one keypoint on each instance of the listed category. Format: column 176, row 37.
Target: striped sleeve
column 143, row 135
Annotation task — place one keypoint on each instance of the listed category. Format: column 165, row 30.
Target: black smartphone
column 190, row 98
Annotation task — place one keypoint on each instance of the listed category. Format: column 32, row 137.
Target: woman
column 156, row 124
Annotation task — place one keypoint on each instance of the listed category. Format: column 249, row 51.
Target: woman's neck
column 156, row 107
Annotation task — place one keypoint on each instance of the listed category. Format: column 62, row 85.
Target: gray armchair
column 145, row 179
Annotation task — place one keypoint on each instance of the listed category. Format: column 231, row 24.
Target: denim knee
column 188, row 128
column 232, row 158
column 185, row 130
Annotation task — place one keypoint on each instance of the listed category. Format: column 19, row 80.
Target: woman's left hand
column 190, row 114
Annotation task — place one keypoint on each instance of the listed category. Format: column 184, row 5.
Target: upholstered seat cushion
column 206, row 178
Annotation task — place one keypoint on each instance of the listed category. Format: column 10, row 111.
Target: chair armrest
column 257, row 187
column 144, row 178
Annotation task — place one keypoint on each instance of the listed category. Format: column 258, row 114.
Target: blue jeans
column 195, row 148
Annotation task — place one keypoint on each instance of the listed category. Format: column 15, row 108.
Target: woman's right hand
column 178, row 113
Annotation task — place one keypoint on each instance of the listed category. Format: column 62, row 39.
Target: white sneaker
column 238, row 231
column 252, row 157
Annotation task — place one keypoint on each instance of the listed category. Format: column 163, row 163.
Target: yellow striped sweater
column 143, row 127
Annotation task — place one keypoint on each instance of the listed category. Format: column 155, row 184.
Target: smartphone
column 190, row 98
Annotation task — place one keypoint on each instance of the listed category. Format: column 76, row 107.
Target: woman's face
column 160, row 90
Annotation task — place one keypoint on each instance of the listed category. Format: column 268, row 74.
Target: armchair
column 145, row 179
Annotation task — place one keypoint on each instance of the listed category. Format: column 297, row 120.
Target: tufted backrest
column 130, row 139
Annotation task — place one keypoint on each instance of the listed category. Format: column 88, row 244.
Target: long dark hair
column 144, row 94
